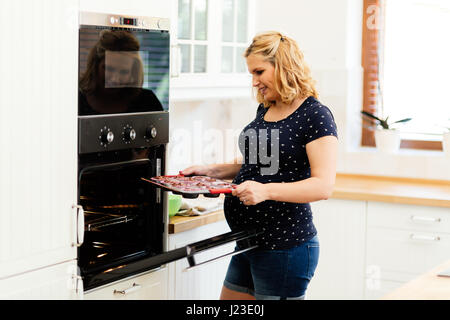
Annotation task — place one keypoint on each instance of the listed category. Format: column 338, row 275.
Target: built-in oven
column 123, row 132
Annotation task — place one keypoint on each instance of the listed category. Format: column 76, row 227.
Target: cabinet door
column 205, row 281
column 341, row 230
column 404, row 241
column 38, row 133
column 58, row 282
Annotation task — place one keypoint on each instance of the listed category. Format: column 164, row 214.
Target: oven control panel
column 122, row 131
column 132, row 22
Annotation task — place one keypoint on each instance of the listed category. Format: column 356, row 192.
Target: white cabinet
column 341, row 226
column 205, row 281
column 58, row 282
column 38, row 134
column 368, row 249
column 403, row 241
column 146, row 286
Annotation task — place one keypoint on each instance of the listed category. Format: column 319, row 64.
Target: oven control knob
column 106, row 137
column 151, row 133
column 129, row 134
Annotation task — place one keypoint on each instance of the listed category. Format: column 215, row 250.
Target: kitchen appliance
column 123, row 132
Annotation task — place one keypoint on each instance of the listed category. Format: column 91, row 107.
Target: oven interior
column 124, row 218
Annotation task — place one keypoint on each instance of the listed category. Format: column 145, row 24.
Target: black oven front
column 124, row 217
column 123, row 132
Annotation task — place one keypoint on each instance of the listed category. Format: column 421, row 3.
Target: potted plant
column 387, row 139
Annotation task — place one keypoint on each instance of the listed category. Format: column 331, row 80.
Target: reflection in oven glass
column 122, row 71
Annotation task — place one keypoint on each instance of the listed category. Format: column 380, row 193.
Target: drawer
column 148, row 286
column 408, row 217
column 405, row 252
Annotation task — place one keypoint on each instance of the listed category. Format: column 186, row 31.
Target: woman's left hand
column 251, row 192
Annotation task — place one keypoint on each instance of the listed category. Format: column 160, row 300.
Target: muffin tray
column 192, row 186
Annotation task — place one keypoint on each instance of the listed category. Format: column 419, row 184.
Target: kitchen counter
column 428, row 286
column 356, row 187
column 179, row 223
column 396, row 190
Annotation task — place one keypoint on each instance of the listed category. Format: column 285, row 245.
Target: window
column 406, row 67
column 234, row 35
column 193, row 35
column 212, row 35
column 208, row 41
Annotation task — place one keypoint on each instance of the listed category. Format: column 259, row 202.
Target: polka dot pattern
column 284, row 224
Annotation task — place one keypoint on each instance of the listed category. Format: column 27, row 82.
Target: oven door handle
column 80, row 224
column 230, row 254
column 217, row 241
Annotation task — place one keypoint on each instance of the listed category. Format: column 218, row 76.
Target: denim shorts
column 274, row 274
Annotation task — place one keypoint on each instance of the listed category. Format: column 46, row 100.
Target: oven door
column 244, row 238
column 124, row 217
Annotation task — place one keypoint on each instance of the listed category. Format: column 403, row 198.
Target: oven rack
column 95, row 221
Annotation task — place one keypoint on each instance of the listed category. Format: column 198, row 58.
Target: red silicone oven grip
column 215, row 191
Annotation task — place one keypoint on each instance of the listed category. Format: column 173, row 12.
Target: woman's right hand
column 202, row 170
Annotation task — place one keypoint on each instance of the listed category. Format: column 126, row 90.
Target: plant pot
column 446, row 143
column 387, row 141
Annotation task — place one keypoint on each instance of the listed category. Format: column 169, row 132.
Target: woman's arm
column 322, row 155
column 219, row 171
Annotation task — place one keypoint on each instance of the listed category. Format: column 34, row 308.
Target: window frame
column 192, row 41
column 213, row 84
column 371, row 61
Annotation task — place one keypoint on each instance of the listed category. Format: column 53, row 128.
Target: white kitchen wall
column 205, row 132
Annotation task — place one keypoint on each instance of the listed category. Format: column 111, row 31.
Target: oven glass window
column 123, row 221
column 123, row 71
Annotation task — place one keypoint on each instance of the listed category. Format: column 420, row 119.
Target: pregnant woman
column 300, row 135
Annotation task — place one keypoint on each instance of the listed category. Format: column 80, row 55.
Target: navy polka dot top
column 274, row 152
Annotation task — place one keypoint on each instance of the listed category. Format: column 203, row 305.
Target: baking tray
column 192, row 186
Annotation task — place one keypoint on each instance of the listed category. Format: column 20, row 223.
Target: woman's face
column 118, row 70
column 262, row 76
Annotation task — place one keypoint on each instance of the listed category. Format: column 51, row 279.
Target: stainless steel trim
column 117, row 21
column 158, row 173
column 419, row 237
column 425, row 219
column 230, row 254
column 122, row 114
column 133, row 288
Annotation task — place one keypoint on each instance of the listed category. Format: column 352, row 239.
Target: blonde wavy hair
column 292, row 75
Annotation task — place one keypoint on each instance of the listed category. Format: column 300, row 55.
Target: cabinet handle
column 425, row 219
column 78, row 286
column 424, row 237
column 80, row 224
column 133, row 288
